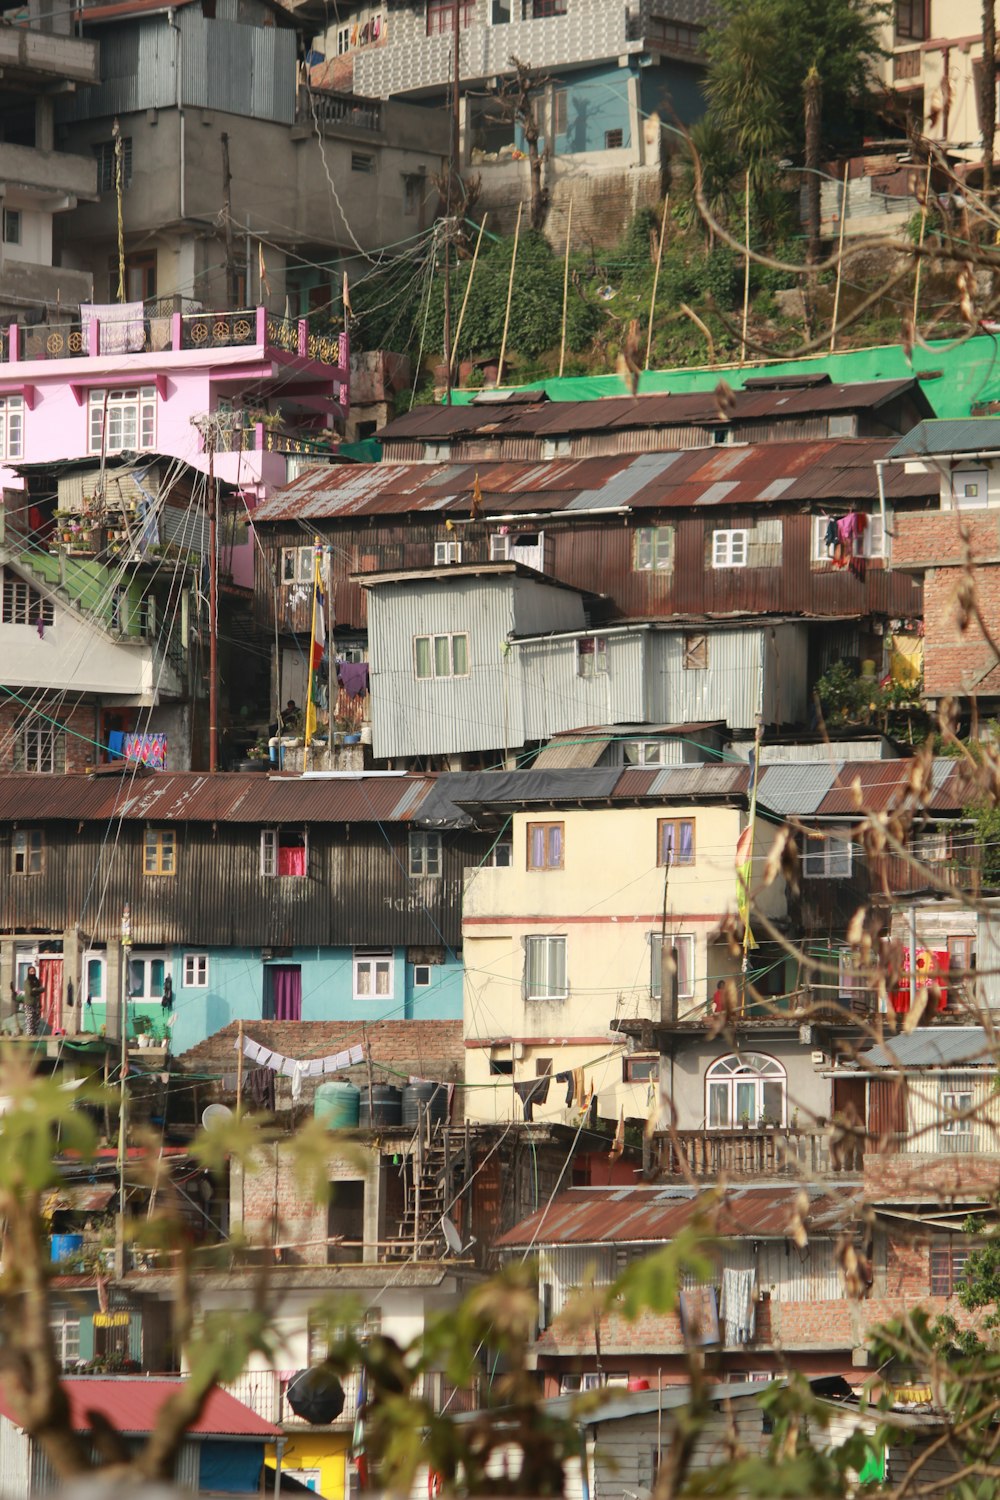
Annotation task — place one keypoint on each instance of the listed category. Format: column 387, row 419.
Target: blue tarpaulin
column 233, row 1468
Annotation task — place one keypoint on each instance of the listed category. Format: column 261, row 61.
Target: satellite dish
column 452, row 1237
column 215, row 1114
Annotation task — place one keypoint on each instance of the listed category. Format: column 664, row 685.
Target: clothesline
column 312, row 1067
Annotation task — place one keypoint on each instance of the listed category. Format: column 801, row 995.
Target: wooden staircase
column 432, row 1173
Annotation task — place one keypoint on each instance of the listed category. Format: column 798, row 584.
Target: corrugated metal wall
column 557, row 698
column 358, row 891
column 15, row 1466
column 600, row 557
column 929, row 1119
column 446, row 715
column 241, row 69
column 730, row 688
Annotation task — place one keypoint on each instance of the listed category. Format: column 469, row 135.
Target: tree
column 988, row 92
column 515, row 100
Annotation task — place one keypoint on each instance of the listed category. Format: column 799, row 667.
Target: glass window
column 196, row 971
column 591, row 656
column 22, row 604
column 373, row 974
column 675, row 841
column 681, row 947
column 545, row 968
column 828, row 858
column 11, row 426
column 441, row 656
column 955, row 1108
column 106, row 173
column 123, row 421
column 425, row 853
column 745, row 1090
column 146, row 973
column 441, row 15
column 39, row 746
column 872, row 540
column 93, row 977
column 447, row 552
column 501, row 856
column 911, row 20
column 159, row 855
column 637, row 1069
column 948, row 1261
column 28, row 851
column 499, row 547
column 729, row 549
column 653, row 549
column 284, row 852
column 545, row 846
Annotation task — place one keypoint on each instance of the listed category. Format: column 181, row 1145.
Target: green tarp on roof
column 970, row 373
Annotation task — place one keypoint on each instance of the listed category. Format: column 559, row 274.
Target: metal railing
column 225, row 330
column 53, row 341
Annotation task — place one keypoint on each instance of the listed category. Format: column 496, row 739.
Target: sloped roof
column 939, row 437
column 630, row 1215
column 131, row 1403
column 934, row 1047
column 755, row 474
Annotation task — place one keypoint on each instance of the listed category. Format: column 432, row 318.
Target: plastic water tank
column 386, row 1106
column 336, row 1104
column 66, row 1246
column 432, row 1098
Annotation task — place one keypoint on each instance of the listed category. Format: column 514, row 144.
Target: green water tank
column 337, row 1105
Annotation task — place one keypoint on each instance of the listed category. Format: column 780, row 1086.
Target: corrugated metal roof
column 943, row 436
column 795, row 787
column 228, row 797
column 882, row 783
column 621, row 1216
column 758, row 473
column 576, row 753
column 130, row 1403
column 698, row 408
column 698, row 781
column 933, row 1047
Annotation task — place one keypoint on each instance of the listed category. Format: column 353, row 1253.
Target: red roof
column 131, row 1404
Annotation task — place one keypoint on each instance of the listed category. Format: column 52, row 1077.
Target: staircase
column 431, row 1178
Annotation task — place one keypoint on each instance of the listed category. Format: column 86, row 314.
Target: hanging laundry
column 353, row 677
column 534, row 1091
column 167, row 1003
column 567, row 1079
column 831, row 533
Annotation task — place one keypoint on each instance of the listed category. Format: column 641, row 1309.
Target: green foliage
column 847, row 698
column 985, row 818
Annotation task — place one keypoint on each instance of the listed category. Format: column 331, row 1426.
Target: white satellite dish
column 453, row 1239
column 215, row 1114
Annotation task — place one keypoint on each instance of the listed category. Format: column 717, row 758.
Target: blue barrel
column 336, row 1105
column 386, row 1106
column 66, row 1246
column 431, row 1097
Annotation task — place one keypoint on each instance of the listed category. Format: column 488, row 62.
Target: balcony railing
column 258, row 437
column 249, row 327
column 332, row 110
column 753, row 1153
column 264, row 1392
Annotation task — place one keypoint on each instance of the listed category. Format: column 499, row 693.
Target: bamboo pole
column 309, row 722
column 510, row 294
column 562, row 338
column 746, row 273
column 468, row 289
column 920, row 246
column 656, row 277
column 840, row 260
column 239, row 1072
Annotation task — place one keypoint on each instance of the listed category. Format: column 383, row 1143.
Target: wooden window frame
column 650, row 541
column 27, row 852
column 648, row 1064
column 695, row 658
column 420, row 858
column 677, row 824
column 948, row 1274
column 548, row 828
column 158, row 841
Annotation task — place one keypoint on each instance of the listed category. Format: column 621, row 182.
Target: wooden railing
column 754, row 1152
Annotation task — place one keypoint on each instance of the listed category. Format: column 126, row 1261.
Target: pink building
column 257, row 387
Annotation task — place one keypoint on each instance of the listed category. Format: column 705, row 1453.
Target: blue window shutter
column 87, row 1336
column 135, row 1338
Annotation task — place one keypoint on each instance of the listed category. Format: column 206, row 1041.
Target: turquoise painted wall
column 596, row 102
column 235, row 991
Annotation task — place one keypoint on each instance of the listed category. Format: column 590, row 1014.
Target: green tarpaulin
column 970, row 373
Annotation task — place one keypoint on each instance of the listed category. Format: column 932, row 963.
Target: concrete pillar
column 45, row 138
column 113, row 997
column 8, row 1007
column 72, row 951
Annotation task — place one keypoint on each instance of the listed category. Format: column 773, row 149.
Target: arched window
column 744, row 1090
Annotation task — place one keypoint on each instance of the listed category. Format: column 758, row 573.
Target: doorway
column 282, row 992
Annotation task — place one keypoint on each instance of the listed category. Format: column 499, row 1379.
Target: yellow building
column 318, row 1459
column 564, row 941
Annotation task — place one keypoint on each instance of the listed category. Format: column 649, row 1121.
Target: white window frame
column 501, row 856
column 432, row 662
column 955, row 1107
column 65, row 1330
column 500, row 546
column 426, row 856
column 94, row 957
column 592, row 662
column 137, row 404
column 297, row 565
column 196, row 971
column 645, row 753
column 11, row 426
column 829, row 858
column 373, row 960
column 730, row 549
column 873, row 539
column 446, row 553
column 736, row 1073
column 41, row 747
column 22, row 604
column 676, row 940
column 421, row 976
column 27, row 852
column 147, row 959
column 551, row 944
column 270, row 844
column 653, row 549
column 967, row 478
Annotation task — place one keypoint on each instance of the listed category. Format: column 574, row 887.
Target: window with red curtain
column 441, row 15
column 291, row 859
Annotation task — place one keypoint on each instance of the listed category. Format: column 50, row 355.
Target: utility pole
column 213, row 609
column 227, row 193
column 126, row 947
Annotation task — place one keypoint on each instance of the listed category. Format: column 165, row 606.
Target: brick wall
column 953, row 660
column 79, row 722
column 905, row 1177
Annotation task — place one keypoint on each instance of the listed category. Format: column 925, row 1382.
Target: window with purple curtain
column 286, row 992
column 676, row 841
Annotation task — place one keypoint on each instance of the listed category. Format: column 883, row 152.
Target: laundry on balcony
column 121, row 325
column 149, row 750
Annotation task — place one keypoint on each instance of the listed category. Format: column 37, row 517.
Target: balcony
column 338, row 112
column 48, row 174
column 264, row 1392
column 708, row 1155
column 43, row 56
column 250, row 328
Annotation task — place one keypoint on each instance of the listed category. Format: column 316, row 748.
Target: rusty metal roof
column 881, row 784
column 629, row 1215
column 750, row 475
column 617, row 413
column 228, row 797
